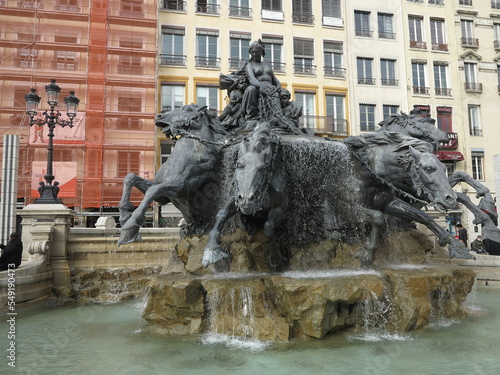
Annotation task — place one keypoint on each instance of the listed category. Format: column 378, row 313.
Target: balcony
column 27, row 63
column 469, row 42
column 167, row 59
column 304, row 18
column 389, row 82
column 207, row 8
column 324, row 125
column 365, row 33
column 421, row 90
column 418, row 44
column 64, row 65
column 278, row 67
column 439, row 47
column 436, row 2
column 175, row 5
column 207, row 62
column 476, row 131
column 366, row 81
column 304, row 69
column 465, row 2
column 240, row 12
column 386, row 35
column 31, row 4
column 331, row 71
column 441, row 91
column 67, row 8
column 130, row 69
column 473, row 87
column 235, row 64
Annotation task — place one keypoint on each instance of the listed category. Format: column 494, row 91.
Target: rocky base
column 293, row 305
column 104, row 285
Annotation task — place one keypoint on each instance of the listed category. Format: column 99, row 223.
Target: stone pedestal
column 45, row 232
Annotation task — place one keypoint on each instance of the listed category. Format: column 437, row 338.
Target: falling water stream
column 114, row 339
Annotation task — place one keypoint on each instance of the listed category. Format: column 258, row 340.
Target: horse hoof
column 129, row 235
column 212, row 256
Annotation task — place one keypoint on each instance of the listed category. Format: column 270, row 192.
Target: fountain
column 288, row 235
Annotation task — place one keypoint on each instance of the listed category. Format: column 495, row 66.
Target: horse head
column 415, row 126
column 253, row 169
column 429, row 179
column 190, row 118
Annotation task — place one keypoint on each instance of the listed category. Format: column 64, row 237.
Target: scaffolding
column 105, row 51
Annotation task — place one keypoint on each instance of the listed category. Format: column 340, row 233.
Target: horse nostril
column 239, row 198
column 250, row 197
column 448, row 198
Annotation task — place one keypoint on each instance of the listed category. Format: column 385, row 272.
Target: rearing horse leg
column 376, row 219
column 401, row 209
column 130, row 230
column 125, row 206
column 213, row 252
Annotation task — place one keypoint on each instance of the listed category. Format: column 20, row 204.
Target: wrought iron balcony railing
column 465, row 2
column 476, row 131
column 366, row 81
column 442, row 91
column 418, row 44
column 439, row 47
column 207, row 8
column 177, row 5
column 278, row 67
column 471, row 42
column 473, row 87
column 168, row 59
column 386, row 35
column 389, row 82
column 422, row 90
column 236, row 63
column 306, row 18
column 324, row 124
column 332, row 71
column 207, row 62
column 304, row 69
column 240, row 11
column 361, row 32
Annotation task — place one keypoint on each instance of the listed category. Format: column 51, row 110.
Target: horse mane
column 383, row 138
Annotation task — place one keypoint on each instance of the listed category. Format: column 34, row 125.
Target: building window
column 207, row 46
column 274, row 5
column 68, row 5
column 335, row 112
column 474, row 120
column 128, row 162
column 418, row 76
column 496, row 28
column 331, row 8
column 441, row 80
column 362, row 23
column 444, row 119
column 172, row 46
column 437, row 35
column 207, row 6
column 367, row 117
column 477, row 165
column 467, row 27
column 64, row 60
column 209, row 96
column 302, row 11
column 308, row 108
column 303, row 53
column 498, row 78
column 130, row 65
column 131, row 8
column 127, row 104
column 172, row 97
column 471, row 83
column 238, row 46
column 388, row 72
column 179, row 5
column 239, row 8
column 385, row 28
column 274, row 54
column 27, row 58
column 389, row 110
column 365, row 71
column 416, row 36
column 333, row 55
column 495, row 4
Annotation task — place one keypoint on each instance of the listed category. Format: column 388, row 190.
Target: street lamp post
column 49, row 190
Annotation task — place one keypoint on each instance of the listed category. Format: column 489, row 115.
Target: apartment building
column 349, row 63
column 105, row 51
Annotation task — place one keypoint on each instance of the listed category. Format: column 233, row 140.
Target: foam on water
column 234, row 342
column 328, row 274
column 377, row 337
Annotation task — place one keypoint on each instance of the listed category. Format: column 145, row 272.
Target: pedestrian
column 462, row 234
column 11, row 253
column 477, row 246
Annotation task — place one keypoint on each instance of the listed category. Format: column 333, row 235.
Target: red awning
column 450, row 155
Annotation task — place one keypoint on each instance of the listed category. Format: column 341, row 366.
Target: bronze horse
column 184, row 178
column 389, row 165
column 258, row 189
